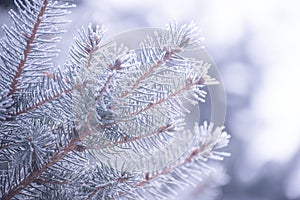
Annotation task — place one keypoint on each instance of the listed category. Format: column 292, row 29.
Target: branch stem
column 27, row 49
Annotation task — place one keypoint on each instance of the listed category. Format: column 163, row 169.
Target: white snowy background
column 256, row 46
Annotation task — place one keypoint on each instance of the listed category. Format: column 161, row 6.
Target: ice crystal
column 110, row 123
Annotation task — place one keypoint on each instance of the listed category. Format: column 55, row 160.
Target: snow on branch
column 110, row 123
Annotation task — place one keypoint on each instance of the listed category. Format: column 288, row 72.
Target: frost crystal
column 111, row 123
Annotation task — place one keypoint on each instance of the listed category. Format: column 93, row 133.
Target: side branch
column 189, row 84
column 148, row 73
column 47, row 100
column 162, row 129
column 167, row 170
column 27, row 49
column 34, row 175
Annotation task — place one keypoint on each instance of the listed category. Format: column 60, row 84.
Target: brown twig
column 30, row 108
column 167, row 170
column 186, row 87
column 150, row 71
column 161, row 129
column 34, row 175
column 27, row 49
column 97, row 189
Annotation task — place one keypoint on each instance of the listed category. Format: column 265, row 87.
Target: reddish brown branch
column 115, row 66
column 34, row 175
column 46, row 100
column 161, row 129
column 162, row 100
column 148, row 73
column 91, row 52
column 27, row 49
column 111, row 183
column 96, row 190
column 105, row 86
column 167, row 170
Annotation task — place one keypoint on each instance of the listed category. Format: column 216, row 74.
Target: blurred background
column 256, row 46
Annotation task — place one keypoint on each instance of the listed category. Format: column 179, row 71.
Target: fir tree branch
column 74, row 143
column 185, row 88
column 206, row 144
column 34, row 175
column 104, row 186
column 127, row 140
column 45, row 101
column 196, row 152
column 150, row 71
column 27, row 49
column 107, row 101
column 90, row 50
